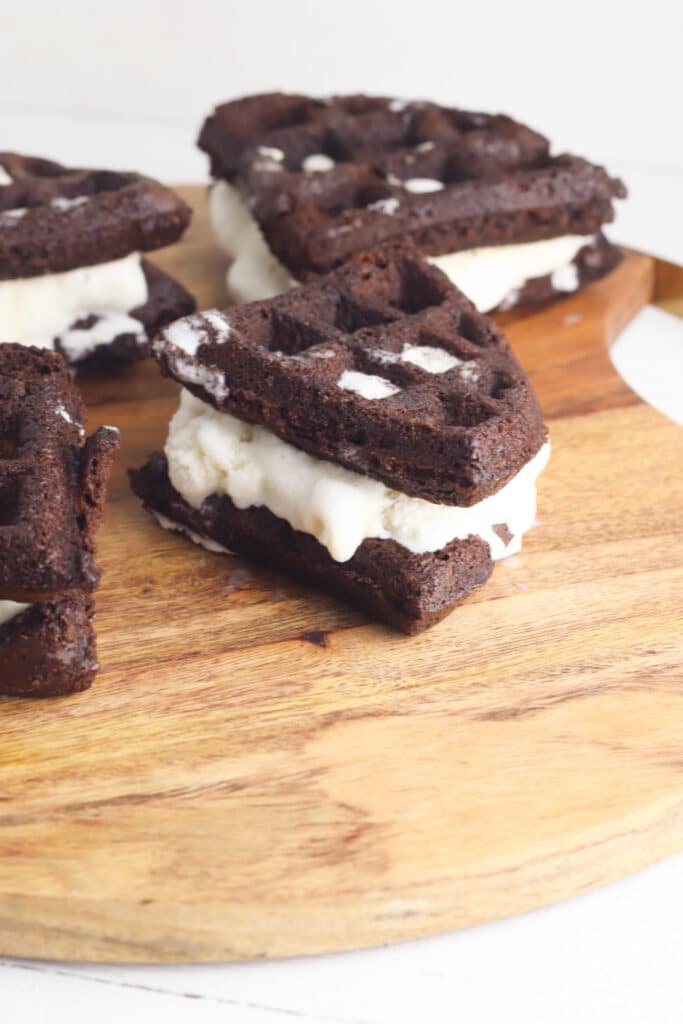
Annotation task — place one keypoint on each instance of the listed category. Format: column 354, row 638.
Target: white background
column 130, row 81
column 126, row 85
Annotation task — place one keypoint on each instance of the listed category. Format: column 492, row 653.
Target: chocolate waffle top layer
column 55, row 218
column 327, row 178
column 453, row 415
column 52, row 478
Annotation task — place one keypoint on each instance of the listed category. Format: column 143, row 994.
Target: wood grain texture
column 260, row 772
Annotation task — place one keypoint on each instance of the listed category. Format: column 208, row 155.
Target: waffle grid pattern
column 329, row 178
column 48, row 478
column 438, row 435
column 54, row 218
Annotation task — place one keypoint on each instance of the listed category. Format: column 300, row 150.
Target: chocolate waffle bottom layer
column 49, row 649
column 407, row 591
column 167, row 301
column 592, row 262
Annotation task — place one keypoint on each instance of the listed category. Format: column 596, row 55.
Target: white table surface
column 97, row 86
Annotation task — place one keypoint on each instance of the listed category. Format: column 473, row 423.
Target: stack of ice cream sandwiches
column 358, row 423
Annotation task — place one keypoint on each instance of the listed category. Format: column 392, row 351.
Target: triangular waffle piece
column 459, row 417
column 370, row 432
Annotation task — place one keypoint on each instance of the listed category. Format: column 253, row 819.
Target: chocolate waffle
column 48, row 650
column 327, row 178
column 409, row 592
column 82, row 232
column 369, row 432
column 52, row 483
column 451, row 437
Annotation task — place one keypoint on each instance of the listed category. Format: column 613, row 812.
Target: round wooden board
column 260, row 772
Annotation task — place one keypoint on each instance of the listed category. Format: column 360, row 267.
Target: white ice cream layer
column 255, row 272
column 488, row 276
column 10, row 610
column 36, row 310
column 196, row 538
column 211, row 452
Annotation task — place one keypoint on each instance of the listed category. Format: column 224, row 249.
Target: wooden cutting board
column 258, row 771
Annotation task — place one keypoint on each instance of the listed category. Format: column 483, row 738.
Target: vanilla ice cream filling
column 38, row 310
column 10, row 609
column 490, row 276
column 211, row 452
column 255, row 271
column 494, row 275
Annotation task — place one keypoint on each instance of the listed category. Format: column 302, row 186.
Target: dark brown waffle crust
column 49, row 650
column 52, row 489
column 444, row 437
column 407, row 591
column 592, row 262
column 123, row 213
column 51, row 478
column 501, row 184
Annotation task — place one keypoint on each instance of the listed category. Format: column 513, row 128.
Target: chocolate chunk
column 503, row 532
